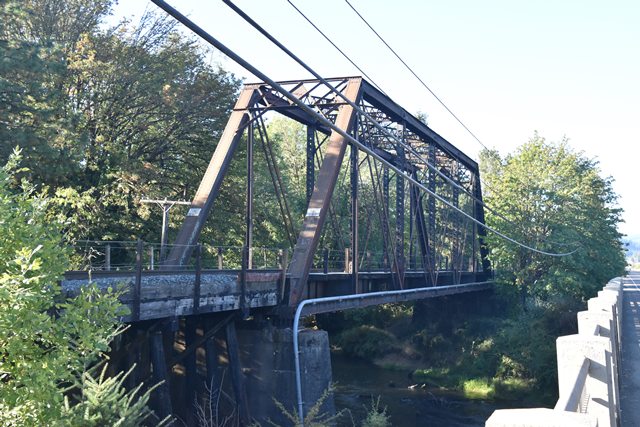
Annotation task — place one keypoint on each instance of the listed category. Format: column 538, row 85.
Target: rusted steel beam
column 423, row 237
column 319, row 204
column 396, row 112
column 482, row 232
column 210, row 184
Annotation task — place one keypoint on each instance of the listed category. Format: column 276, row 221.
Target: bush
column 376, row 416
column 49, row 345
column 367, row 342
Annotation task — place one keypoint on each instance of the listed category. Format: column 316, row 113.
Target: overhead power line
column 421, row 158
column 334, row 45
column 321, row 119
column 415, row 74
column 439, row 100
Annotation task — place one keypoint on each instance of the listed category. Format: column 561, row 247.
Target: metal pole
column 166, row 206
column 325, row 260
column 138, row 281
column 400, row 218
column 107, row 257
column 165, row 230
column 198, row 279
column 354, row 219
column 311, row 152
column 151, row 257
column 431, row 207
column 346, row 260
column 249, row 214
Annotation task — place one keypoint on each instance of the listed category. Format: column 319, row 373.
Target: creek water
column 359, row 382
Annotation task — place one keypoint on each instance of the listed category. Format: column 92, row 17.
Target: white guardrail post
column 588, row 371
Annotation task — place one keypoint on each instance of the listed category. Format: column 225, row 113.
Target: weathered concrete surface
column 537, row 417
column 170, row 294
column 267, row 360
column 630, row 375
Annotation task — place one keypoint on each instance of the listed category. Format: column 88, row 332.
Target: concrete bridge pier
column 268, row 366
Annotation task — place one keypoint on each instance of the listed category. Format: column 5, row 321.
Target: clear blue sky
column 506, row 67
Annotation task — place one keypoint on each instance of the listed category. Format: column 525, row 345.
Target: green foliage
column 552, row 198
column 107, row 115
column 478, row 388
column 105, row 401
column 367, row 342
column 48, row 343
column 314, row 417
column 376, row 416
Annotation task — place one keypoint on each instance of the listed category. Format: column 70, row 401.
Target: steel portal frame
column 416, row 149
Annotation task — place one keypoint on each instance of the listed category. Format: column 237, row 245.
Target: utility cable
column 265, row 33
column 415, row 75
column 426, row 87
column 252, row 69
column 333, row 44
column 432, row 93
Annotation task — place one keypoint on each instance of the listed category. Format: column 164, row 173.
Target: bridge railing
column 110, row 255
column 103, row 255
column 588, row 371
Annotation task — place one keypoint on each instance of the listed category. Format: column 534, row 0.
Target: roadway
column 630, row 365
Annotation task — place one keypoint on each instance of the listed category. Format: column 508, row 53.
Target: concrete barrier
column 588, row 371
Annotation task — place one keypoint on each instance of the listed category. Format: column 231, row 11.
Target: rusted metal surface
column 319, row 204
column 210, row 184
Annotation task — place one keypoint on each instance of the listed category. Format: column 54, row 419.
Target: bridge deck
column 630, row 375
column 159, row 294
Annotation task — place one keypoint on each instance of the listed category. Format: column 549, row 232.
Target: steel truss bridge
column 397, row 235
column 392, row 212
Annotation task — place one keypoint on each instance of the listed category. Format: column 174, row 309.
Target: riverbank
column 408, row 402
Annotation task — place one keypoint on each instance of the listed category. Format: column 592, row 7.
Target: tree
column 107, row 115
column 553, row 198
column 50, row 345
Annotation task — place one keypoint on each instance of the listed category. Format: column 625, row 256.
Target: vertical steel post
column 385, row 223
column 151, row 257
column 311, row 152
column 107, row 257
column 249, row 214
column 346, row 260
column 412, row 218
column 138, row 281
column 165, row 231
column 455, row 249
column 354, row 219
column 284, row 263
column 243, row 282
column 220, row 260
column 482, row 232
column 400, row 218
column 196, row 288
column 474, row 230
column 431, row 208
column 325, row 260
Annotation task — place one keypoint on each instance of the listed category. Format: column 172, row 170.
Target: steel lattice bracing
column 392, row 225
